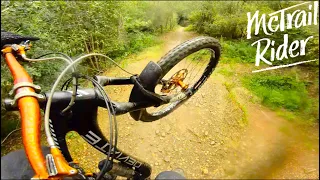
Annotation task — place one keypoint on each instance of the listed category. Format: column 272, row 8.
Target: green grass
column 292, row 92
column 232, row 96
column 284, row 93
column 279, row 91
column 225, row 71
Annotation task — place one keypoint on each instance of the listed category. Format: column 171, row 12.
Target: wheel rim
column 196, row 64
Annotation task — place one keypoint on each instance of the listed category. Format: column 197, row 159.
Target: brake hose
column 48, row 105
column 62, row 54
column 75, row 84
column 66, row 84
column 69, row 61
column 111, row 113
column 67, row 57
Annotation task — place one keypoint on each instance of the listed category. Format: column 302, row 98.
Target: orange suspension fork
column 30, row 118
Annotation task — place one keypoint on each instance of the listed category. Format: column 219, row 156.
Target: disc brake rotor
column 175, row 81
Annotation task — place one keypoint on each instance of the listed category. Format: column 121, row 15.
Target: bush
column 237, row 51
column 139, row 41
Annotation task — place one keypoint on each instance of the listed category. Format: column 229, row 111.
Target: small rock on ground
column 205, row 171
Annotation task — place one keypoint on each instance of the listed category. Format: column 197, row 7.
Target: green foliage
column 237, row 52
column 229, row 20
column 225, row 71
column 10, row 120
column 140, row 41
column 280, row 91
column 157, row 17
column 116, row 29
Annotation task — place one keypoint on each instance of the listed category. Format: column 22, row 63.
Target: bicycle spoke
column 189, row 63
column 193, row 69
column 198, row 70
column 185, row 63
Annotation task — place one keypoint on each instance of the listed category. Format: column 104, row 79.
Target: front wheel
column 185, row 68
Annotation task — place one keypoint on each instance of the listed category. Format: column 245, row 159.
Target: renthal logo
column 94, row 139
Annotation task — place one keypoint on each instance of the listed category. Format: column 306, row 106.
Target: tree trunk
column 95, row 57
column 166, row 23
column 91, row 62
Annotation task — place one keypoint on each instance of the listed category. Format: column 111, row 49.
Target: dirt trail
column 208, row 136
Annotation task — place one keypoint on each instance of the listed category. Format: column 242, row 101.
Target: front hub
column 175, row 81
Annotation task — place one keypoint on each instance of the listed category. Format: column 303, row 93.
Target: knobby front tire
column 172, row 58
